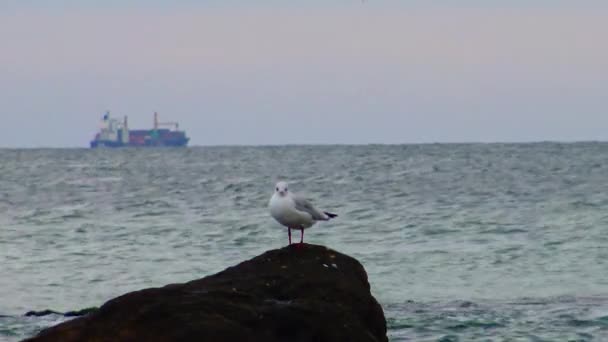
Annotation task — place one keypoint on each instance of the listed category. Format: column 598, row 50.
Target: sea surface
column 461, row 242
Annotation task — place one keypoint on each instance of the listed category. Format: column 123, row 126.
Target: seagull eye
column 277, row 189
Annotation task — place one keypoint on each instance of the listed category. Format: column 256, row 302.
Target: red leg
column 301, row 244
column 289, row 234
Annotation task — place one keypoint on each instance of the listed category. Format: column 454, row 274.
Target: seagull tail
column 330, row 215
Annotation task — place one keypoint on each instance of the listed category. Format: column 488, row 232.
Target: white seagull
column 294, row 212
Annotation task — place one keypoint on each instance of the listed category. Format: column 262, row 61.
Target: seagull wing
column 304, row 205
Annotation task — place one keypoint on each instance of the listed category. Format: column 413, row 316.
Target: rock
column 79, row 313
column 42, row 313
column 290, row 294
column 65, row 314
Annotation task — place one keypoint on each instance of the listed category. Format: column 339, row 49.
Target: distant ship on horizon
column 116, row 133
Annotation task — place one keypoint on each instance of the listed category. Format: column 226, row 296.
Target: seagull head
column 281, row 188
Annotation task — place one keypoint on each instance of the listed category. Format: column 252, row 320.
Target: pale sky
column 305, row 72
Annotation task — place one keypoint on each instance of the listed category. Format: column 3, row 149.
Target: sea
column 461, row 242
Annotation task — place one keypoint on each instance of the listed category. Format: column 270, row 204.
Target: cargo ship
column 116, row 133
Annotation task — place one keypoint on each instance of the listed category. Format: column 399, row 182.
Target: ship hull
column 117, row 144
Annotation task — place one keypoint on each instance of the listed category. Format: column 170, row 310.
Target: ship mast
column 170, row 123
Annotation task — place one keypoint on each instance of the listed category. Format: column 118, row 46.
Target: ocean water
column 461, row 242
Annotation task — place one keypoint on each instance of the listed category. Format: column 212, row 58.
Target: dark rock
column 79, row 313
column 291, row 294
column 42, row 313
column 65, row 314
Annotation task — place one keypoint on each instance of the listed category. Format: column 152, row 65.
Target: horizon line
column 522, row 142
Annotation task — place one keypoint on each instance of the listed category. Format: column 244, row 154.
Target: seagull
column 294, row 212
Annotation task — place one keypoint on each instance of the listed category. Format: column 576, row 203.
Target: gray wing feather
column 303, row 204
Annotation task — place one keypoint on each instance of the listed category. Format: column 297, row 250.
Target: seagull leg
column 289, row 234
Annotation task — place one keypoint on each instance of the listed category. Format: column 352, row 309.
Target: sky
column 243, row 72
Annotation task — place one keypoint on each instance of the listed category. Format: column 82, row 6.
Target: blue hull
column 159, row 143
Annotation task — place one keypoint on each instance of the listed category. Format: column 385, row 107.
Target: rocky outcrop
column 64, row 314
column 297, row 293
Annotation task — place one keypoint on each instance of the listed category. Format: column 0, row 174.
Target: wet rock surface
column 296, row 293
